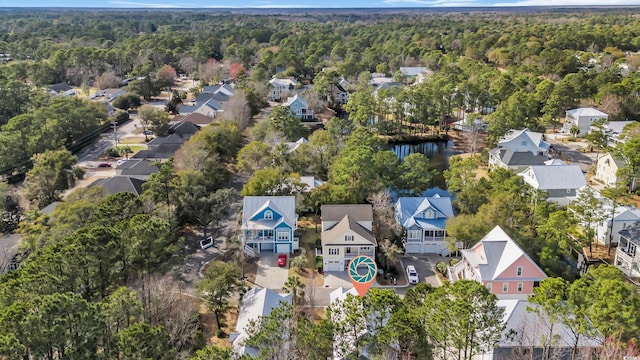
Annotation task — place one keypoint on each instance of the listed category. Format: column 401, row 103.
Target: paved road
column 571, row 153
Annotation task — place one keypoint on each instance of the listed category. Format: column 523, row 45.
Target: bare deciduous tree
column 237, row 109
column 108, row 79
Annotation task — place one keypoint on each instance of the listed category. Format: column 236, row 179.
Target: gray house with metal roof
column 560, row 182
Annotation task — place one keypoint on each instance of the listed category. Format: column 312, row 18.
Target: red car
column 104, row 165
column 282, row 260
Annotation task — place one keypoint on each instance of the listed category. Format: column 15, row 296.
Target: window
column 413, row 234
column 568, row 191
column 283, row 236
column 439, row 233
column 348, row 238
column 429, row 233
column 365, row 248
column 265, row 233
column 519, row 271
column 268, row 215
column 347, row 250
column 334, row 251
column 505, row 287
column 520, row 287
column 489, row 287
column 523, row 143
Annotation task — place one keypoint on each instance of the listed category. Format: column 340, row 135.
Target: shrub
column 441, row 267
column 319, row 263
column 453, row 262
column 220, row 334
column 318, row 244
column 300, row 262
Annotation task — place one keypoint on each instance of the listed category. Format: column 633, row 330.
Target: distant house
column 268, row 224
column 500, row 265
column 608, row 230
column 194, row 118
column 210, row 108
column 256, row 303
column 226, row 89
column 423, row 220
column 311, row 182
column 346, row 233
column 137, row 168
column 160, row 152
column 516, row 161
column 412, row 71
column 299, row 108
column 111, row 94
column 341, row 94
column 607, row 170
column 613, row 129
column 583, row 118
column 48, row 210
column 561, row 183
column 463, row 125
column 295, row 145
column 627, row 253
column 525, row 332
column 161, row 146
column 59, row 88
column 378, row 79
column 210, row 102
column 524, row 140
column 280, row 88
column 383, row 86
column 118, row 184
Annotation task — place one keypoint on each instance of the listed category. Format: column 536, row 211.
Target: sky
column 303, row 3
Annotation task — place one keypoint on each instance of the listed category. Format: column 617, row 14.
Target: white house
column 255, row 303
column 623, row 217
column 268, row 224
column 524, row 140
column 583, row 118
column 299, row 107
column 279, row 88
column 525, row 332
column 295, row 145
column 627, row 253
column 424, row 221
column 346, row 233
column 560, row 182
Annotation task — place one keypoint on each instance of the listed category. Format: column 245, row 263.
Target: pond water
column 437, row 151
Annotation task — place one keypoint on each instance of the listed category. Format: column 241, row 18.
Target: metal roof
column 587, row 112
column 283, row 205
column 543, row 177
column 410, row 210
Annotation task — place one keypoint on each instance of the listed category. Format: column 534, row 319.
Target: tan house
column 607, row 170
column 346, row 233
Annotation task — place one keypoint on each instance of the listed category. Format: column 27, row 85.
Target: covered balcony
column 627, row 257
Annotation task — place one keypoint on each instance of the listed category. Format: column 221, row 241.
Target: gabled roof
column 219, row 97
column 293, row 146
column 283, row 205
column 536, row 138
column 618, row 162
column 543, row 177
column 163, row 151
column 255, row 303
column 60, row 87
column 363, row 212
column 347, row 223
column 187, row 109
column 226, row 89
column 295, row 98
column 494, row 254
column 554, row 162
column 137, row 167
column 282, row 82
column 311, row 182
column 409, row 211
column 185, row 129
column 118, row 184
column 47, row 210
column 341, row 293
column 194, row 118
column 162, row 140
column 591, row 112
column 519, row 158
column 212, row 104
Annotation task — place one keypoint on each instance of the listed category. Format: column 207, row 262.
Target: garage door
column 413, row 248
column 283, row 248
column 332, row 265
column 431, row 249
column 266, row 246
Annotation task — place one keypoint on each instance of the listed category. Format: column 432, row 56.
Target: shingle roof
column 184, row 129
column 117, row 184
column 511, row 158
column 60, row 87
column 587, row 112
column 347, row 223
column 137, row 167
column 194, row 118
column 255, row 303
column 543, row 177
column 162, row 140
column 338, row 212
column 494, row 254
column 163, row 151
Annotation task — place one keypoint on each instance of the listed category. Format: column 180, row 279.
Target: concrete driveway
column 269, row 274
column 425, row 266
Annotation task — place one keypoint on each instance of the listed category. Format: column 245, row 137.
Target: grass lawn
column 132, row 140
column 308, row 235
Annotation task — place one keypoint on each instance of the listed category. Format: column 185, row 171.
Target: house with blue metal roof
column 423, row 220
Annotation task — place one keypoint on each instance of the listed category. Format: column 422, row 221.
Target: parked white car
column 412, row 275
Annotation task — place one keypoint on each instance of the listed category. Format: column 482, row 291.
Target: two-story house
column 347, row 232
column 608, row 229
column 560, row 182
column 583, row 118
column 424, row 222
column 268, row 224
column 516, row 161
column 279, row 88
column 607, row 170
column 299, row 107
column 628, row 253
column 501, row 265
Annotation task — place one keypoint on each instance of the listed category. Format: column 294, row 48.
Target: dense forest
column 97, row 282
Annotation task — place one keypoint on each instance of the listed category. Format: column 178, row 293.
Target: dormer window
column 268, row 215
column 348, row 238
column 428, row 214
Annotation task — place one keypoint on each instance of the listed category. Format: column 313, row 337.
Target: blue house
column 268, row 224
column 424, row 221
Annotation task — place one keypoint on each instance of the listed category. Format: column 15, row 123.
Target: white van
column 412, row 275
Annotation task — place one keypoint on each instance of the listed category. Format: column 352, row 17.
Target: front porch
column 253, row 246
column 627, row 262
